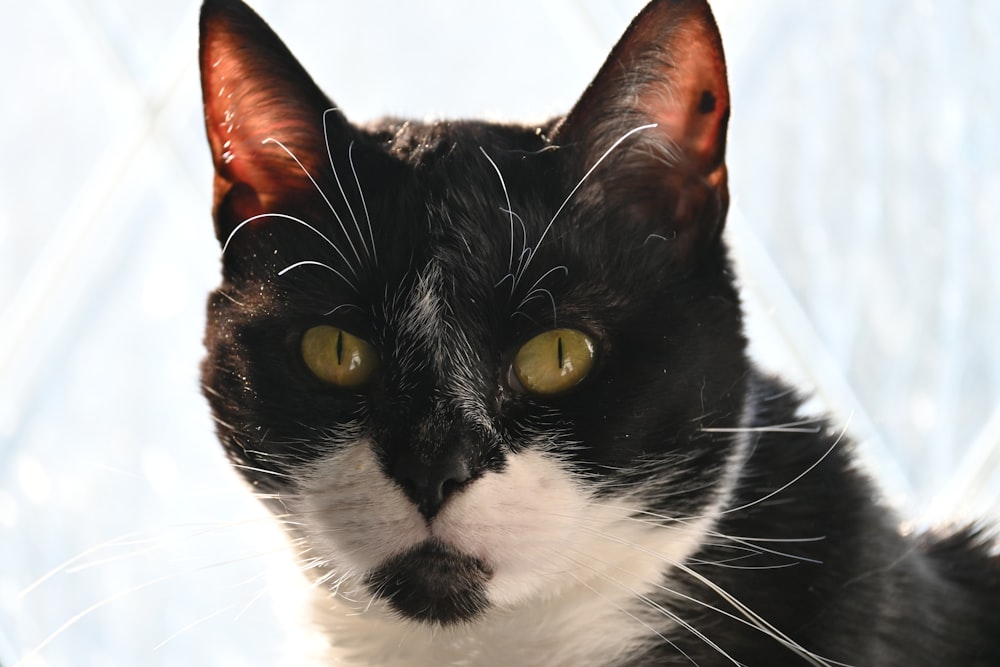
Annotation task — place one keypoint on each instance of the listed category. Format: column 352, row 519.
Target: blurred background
column 865, row 165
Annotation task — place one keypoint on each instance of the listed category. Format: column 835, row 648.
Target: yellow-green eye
column 337, row 357
column 554, row 361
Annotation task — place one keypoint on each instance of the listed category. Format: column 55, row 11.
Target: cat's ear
column 266, row 119
column 655, row 117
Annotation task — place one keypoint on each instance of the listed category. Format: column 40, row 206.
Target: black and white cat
column 492, row 380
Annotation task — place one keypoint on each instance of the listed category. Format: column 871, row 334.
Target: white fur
column 568, row 568
column 424, row 323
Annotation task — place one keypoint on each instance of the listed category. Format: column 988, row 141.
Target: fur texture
column 671, row 506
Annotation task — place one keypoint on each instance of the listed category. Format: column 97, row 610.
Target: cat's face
column 469, row 365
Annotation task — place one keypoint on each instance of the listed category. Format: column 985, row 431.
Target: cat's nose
column 429, row 485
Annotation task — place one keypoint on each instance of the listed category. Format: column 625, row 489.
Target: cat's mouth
column 433, row 583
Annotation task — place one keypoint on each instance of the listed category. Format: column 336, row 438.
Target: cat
column 492, row 381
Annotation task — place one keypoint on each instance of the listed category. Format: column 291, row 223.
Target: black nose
column 429, row 484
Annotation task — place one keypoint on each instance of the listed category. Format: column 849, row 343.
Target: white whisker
column 569, row 197
column 310, row 262
column 364, row 204
column 345, row 306
column 670, row 615
column 320, row 190
column 758, row 621
column 274, row 473
column 534, row 288
column 805, row 472
column 246, row 608
column 290, row 218
column 801, row 426
column 759, row 549
column 509, row 209
column 336, row 178
column 124, row 540
column 755, row 619
column 28, row 658
column 661, row 521
column 525, row 251
column 541, row 293
column 192, row 625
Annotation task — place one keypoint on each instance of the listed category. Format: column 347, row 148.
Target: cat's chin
column 433, row 583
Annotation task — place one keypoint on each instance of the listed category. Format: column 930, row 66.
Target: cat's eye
column 338, row 357
column 554, row 361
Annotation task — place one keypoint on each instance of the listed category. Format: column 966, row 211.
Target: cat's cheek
column 353, row 514
column 525, row 522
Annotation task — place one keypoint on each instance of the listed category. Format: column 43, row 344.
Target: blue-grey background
column 865, row 167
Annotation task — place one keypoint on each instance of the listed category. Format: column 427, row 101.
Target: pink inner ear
column 222, row 118
column 668, row 69
column 693, row 111
column 254, row 90
column 235, row 114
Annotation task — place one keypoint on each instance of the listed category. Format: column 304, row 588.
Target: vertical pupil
column 559, row 349
column 340, row 347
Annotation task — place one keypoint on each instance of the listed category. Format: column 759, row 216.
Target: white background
column 865, row 167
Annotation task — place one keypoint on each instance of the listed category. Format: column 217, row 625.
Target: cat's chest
column 589, row 625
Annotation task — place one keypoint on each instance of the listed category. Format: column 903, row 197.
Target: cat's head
column 470, row 364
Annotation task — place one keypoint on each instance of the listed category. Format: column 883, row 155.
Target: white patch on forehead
column 425, row 317
column 426, row 323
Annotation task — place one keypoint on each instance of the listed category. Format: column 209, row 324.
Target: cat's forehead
column 439, row 143
column 466, row 173
column 483, row 194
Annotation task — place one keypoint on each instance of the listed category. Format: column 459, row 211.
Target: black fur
column 434, row 583
column 635, row 260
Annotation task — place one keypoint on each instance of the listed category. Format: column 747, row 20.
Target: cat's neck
column 529, row 637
